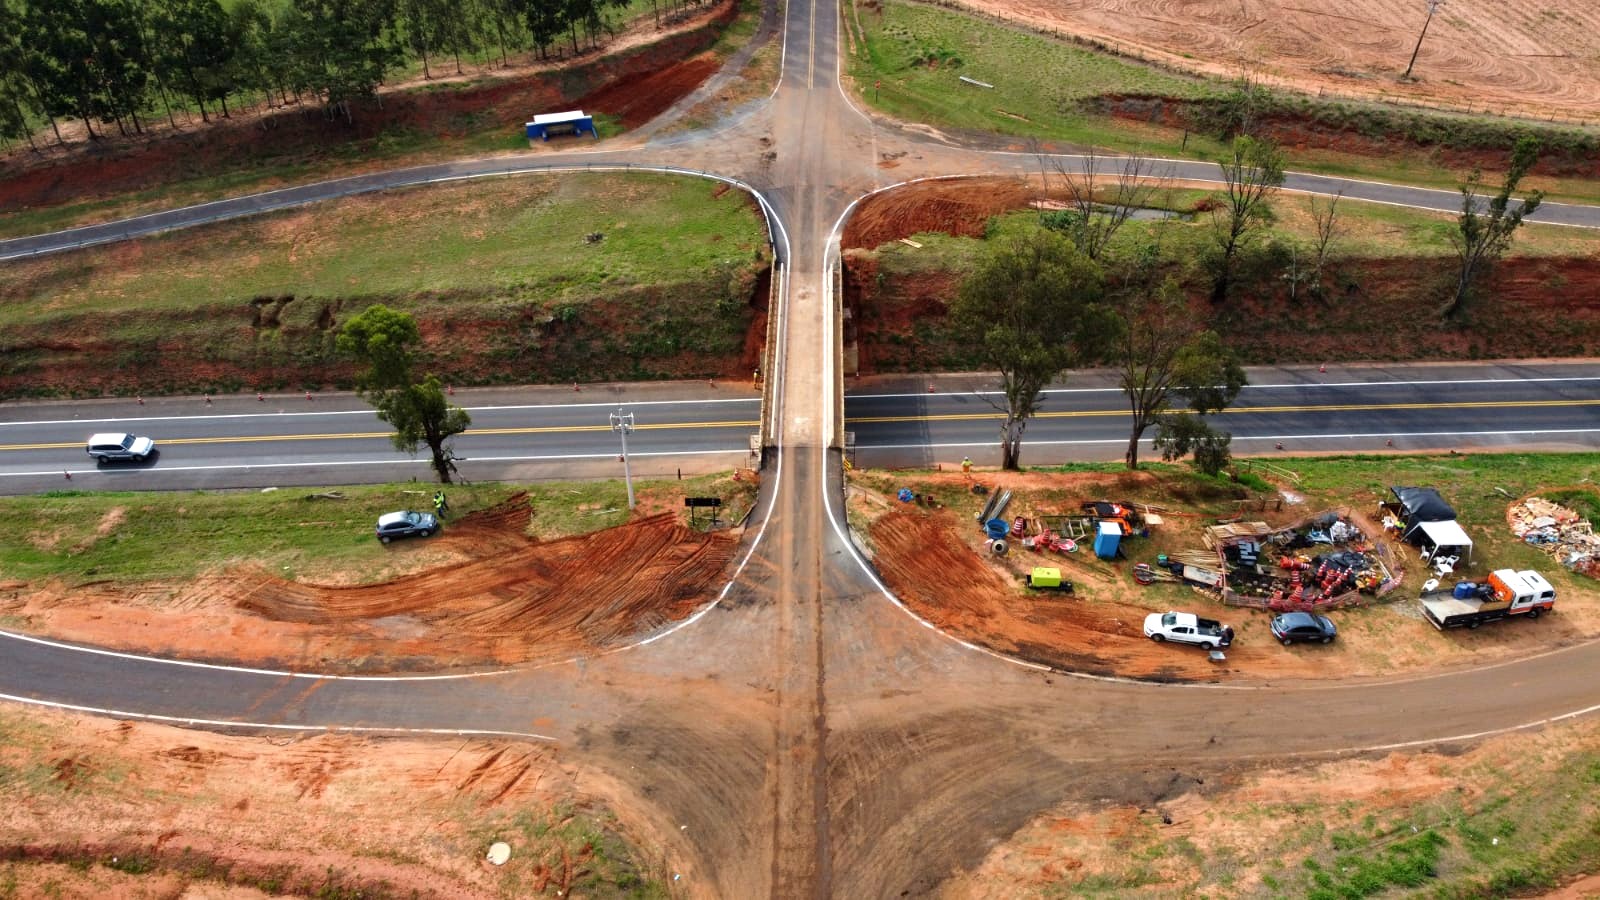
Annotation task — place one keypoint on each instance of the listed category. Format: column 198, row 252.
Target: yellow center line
column 1243, row 410
column 357, row 435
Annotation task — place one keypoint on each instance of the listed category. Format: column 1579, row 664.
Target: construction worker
column 966, row 465
column 441, row 504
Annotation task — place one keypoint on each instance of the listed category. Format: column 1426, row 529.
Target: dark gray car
column 406, row 523
column 1301, row 626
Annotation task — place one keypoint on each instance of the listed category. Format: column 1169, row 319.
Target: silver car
column 110, row 446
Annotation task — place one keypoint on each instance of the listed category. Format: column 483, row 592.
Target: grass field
column 502, row 275
column 92, row 536
column 270, row 166
column 526, row 233
column 917, row 53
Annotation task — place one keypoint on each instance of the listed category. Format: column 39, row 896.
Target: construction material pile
column 1558, row 531
column 1324, row 562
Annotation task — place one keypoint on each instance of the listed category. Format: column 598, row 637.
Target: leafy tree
column 1183, row 433
column 196, row 41
column 346, row 48
column 15, row 99
column 1160, row 356
column 384, row 340
column 1484, row 232
column 1030, row 303
column 1251, row 174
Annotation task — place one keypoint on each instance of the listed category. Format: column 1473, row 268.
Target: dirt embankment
column 1375, row 309
column 501, row 598
column 633, row 85
column 134, row 810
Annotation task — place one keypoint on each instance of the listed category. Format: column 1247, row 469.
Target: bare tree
column 1327, row 222
column 1251, row 174
column 1102, row 194
column 1484, row 229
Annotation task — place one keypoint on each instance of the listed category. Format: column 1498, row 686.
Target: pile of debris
column 1324, row 562
column 1559, row 532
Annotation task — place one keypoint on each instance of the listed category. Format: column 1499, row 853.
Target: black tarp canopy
column 1420, row 504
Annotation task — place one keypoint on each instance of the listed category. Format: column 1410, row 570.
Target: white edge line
column 268, row 466
column 367, row 411
column 1245, row 437
column 773, row 222
column 276, row 726
column 246, row 670
column 1307, row 385
column 830, row 250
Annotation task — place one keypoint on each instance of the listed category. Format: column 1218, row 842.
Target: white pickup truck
column 1187, row 628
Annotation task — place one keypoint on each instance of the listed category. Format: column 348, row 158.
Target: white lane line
column 275, row 726
column 567, row 457
column 1333, row 385
column 368, row 412
column 1331, row 182
column 840, row 532
column 778, row 400
column 244, row 670
column 1263, row 437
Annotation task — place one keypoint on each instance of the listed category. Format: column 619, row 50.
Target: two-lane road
column 241, row 442
column 1375, row 407
column 696, row 427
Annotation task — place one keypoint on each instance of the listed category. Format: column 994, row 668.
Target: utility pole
column 622, row 423
column 1433, row 6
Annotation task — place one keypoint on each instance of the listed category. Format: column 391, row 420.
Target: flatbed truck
column 1506, row 593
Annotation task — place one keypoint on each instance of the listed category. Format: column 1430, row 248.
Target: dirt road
column 805, row 735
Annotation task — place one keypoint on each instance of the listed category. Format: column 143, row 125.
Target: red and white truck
column 1506, row 593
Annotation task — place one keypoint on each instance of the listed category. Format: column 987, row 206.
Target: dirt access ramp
column 500, row 598
column 956, row 206
column 1524, row 59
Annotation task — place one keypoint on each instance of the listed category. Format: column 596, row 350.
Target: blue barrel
column 1465, row 590
column 997, row 528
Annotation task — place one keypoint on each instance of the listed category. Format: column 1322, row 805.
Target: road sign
column 702, row 501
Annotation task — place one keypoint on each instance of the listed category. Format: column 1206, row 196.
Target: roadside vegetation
column 417, row 121
column 907, row 58
column 527, row 279
column 1515, row 816
column 92, row 536
column 1375, row 289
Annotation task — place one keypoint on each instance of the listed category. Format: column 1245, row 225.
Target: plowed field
column 501, row 597
column 1528, row 58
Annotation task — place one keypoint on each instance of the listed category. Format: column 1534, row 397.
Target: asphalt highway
column 238, row 442
column 241, row 442
column 802, row 735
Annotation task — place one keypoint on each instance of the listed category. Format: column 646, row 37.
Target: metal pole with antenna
column 622, row 423
column 1433, row 6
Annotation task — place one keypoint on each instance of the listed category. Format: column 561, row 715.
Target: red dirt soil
column 637, row 101
column 956, row 206
column 926, row 562
column 506, row 599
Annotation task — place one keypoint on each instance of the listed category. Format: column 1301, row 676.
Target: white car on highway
column 106, row 447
